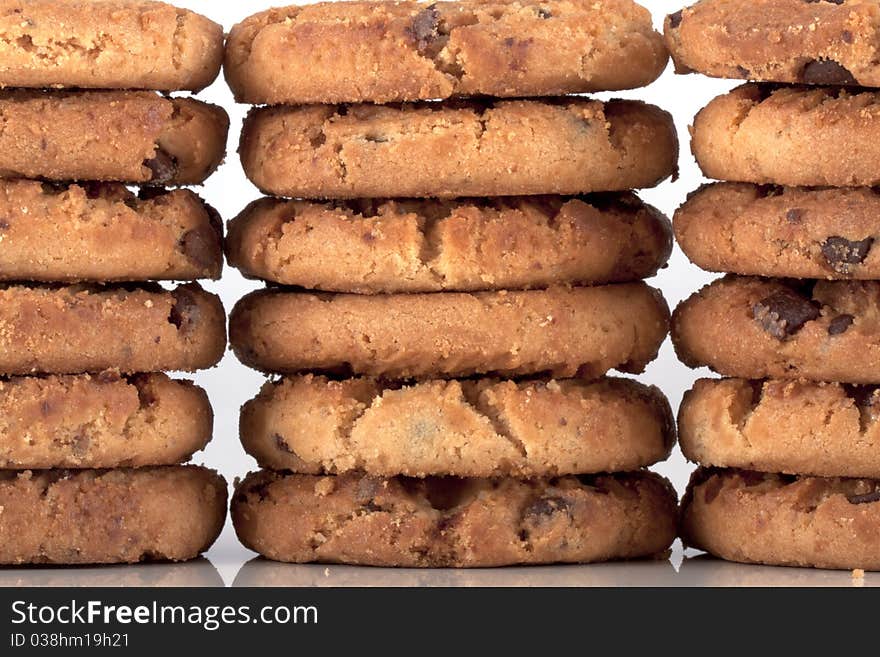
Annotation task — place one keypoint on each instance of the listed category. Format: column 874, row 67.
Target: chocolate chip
column 675, row 19
column 80, row 444
column 546, row 507
column 4, row 225
column 840, row 253
column 784, row 313
column 45, row 407
column 840, row 324
column 847, row 36
column 425, row 27
column 544, row 13
column 50, row 187
column 163, row 167
column 281, row 444
column 866, row 498
column 795, row 215
column 826, row 71
column 149, row 193
column 185, row 311
column 743, row 72
column 711, row 488
column 201, row 246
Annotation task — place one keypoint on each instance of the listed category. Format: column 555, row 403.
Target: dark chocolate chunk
column 826, row 71
column 163, row 166
column 794, row 216
column 185, row 311
column 841, row 253
column 281, row 444
column 743, row 72
column 425, row 27
column 840, row 324
column 544, row 13
column 675, row 19
column 784, row 313
column 866, row 498
column 201, row 246
column 4, row 225
column 545, row 507
column 847, row 36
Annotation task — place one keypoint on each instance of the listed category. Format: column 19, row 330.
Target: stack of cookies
column 790, row 447
column 91, row 431
column 442, row 399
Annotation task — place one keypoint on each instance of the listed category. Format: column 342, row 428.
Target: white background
column 231, row 384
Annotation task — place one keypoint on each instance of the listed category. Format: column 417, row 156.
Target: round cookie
column 473, row 148
column 769, row 328
column 562, row 332
column 171, row 513
column 807, row 136
column 782, row 231
column 106, row 44
column 467, row 245
column 794, row 427
column 78, row 328
column 101, row 421
column 126, row 136
column 783, row 520
column 362, row 520
column 103, row 232
column 795, row 41
column 385, row 52
column 471, row 428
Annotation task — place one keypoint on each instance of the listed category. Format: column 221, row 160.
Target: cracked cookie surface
column 107, row 44
column 797, row 136
column 772, row 328
column 171, row 513
column 125, row 136
column 448, row 522
column 404, row 51
column 103, row 232
column 471, row 428
column 783, row 520
column 82, row 328
column 793, row 41
column 460, row 148
column 782, row 231
column 796, row 427
column 101, row 421
column 564, row 332
column 466, row 245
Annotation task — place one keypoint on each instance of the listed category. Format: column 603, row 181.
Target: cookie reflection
column 262, row 572
column 196, row 573
column 704, row 570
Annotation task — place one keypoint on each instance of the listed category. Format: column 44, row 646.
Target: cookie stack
column 90, row 429
column 442, row 399
column 790, row 447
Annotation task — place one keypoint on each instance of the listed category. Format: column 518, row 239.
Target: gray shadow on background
column 191, row 574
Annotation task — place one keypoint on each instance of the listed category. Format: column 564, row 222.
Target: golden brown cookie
column 449, row 522
column 106, row 44
column 782, row 231
column 564, row 332
column 471, row 428
column 101, row 421
column 171, row 513
column 770, row 328
column 811, row 136
column 796, row 427
column 403, row 51
column 795, row 41
column 474, row 148
column 432, row 246
column 80, row 328
column 103, row 232
column 128, row 136
column 781, row 520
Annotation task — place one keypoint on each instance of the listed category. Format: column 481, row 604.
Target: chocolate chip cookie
column 103, row 232
column 126, row 136
column 106, row 44
column 80, row 328
column 824, row 429
column 811, row 136
column 404, row 51
column 169, row 513
column 564, row 332
column 471, row 428
column 757, row 328
column 449, row 522
column 783, row 520
column 101, row 421
column 465, row 148
column 796, row 41
column 782, row 231
column 466, row 245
